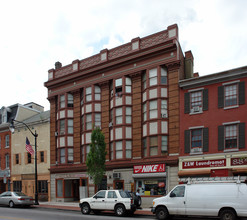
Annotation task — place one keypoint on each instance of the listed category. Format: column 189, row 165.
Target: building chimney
column 58, row 65
column 188, row 64
column 196, row 75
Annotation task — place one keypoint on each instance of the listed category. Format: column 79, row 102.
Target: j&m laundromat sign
column 155, row 168
column 204, row 164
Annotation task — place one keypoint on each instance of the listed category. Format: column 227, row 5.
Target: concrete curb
column 73, row 208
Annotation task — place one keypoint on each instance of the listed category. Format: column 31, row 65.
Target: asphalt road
column 39, row 213
column 7, row 213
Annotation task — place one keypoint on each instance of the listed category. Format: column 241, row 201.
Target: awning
column 148, row 175
column 194, row 172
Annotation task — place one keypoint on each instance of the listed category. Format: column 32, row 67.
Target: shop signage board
column 152, row 168
column 238, row 161
column 204, row 164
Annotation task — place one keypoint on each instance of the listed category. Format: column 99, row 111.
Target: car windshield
column 124, row 194
column 19, row 194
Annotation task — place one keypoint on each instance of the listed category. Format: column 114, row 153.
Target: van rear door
column 176, row 201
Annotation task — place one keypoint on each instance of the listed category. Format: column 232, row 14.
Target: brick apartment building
column 132, row 93
column 213, row 125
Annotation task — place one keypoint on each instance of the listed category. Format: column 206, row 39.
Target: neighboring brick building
column 213, row 125
column 132, row 93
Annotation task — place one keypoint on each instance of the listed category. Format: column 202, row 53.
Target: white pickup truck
column 118, row 201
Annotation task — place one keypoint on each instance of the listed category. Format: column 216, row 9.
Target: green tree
column 96, row 157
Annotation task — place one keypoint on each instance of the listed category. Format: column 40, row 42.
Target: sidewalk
column 74, row 206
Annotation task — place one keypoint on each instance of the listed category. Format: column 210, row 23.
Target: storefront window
column 68, row 188
column 151, row 187
column 59, row 188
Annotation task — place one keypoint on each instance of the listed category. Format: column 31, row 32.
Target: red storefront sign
column 204, row 164
column 238, row 161
column 156, row 168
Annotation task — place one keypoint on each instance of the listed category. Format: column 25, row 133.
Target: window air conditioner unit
column 116, row 175
column 110, row 124
column 196, row 109
column 163, row 115
column 196, row 150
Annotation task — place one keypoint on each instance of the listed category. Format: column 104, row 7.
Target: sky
column 36, row 34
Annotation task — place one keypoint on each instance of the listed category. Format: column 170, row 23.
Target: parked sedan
column 13, row 199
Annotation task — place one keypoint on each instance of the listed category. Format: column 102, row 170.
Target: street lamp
column 12, row 129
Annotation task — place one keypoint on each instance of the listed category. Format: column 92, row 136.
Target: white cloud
column 36, row 34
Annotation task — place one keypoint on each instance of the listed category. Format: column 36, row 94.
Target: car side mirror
column 172, row 194
column 95, row 197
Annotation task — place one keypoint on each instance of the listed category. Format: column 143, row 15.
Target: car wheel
column 119, row 210
column 227, row 214
column 85, row 209
column 162, row 213
column 11, row 204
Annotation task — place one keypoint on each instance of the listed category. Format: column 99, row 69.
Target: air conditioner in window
column 56, row 134
column 110, row 124
column 116, row 175
column 196, row 109
column 196, row 150
column 163, row 115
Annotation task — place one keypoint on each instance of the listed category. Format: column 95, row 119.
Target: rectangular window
column 29, row 158
column 196, row 101
column 7, row 161
column 17, row 159
column 163, row 73
column 62, row 101
column 42, row 186
column 62, row 155
column 144, row 81
column 118, row 87
column 7, row 141
column 17, row 186
column 153, row 146
column 70, row 126
column 164, row 144
column 62, row 127
column 144, row 112
column 231, row 95
column 97, row 92
column 97, row 120
column 70, row 155
column 196, row 140
column 88, row 94
column 231, row 137
column 70, row 100
column 119, row 116
column 164, row 113
column 88, row 121
column 111, row 150
column 82, row 123
column 153, row 109
column 153, row 77
column 128, row 149
column 87, row 150
column 128, row 85
column 59, row 188
column 144, row 144
column 119, row 150
column 42, row 156
column 128, row 115
column 82, row 154
column 82, row 97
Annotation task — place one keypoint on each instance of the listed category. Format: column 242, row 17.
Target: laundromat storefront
column 150, row 179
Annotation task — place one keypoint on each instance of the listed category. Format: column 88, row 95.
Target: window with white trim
column 153, row 145
column 128, row 85
column 196, row 101
column 97, row 93
column 231, row 95
column 164, row 113
column 153, row 109
column 196, row 140
column 128, row 115
column 88, row 121
column 163, row 73
column 70, row 102
column 6, row 161
column 62, row 101
column 119, row 115
column 7, row 141
column 88, row 94
column 62, row 127
column 231, row 137
column 70, row 155
column 62, row 155
column 119, row 149
column 128, row 149
column 70, row 126
column 153, row 77
column 144, row 107
column 97, row 119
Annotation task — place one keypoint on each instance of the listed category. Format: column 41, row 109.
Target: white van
column 227, row 200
